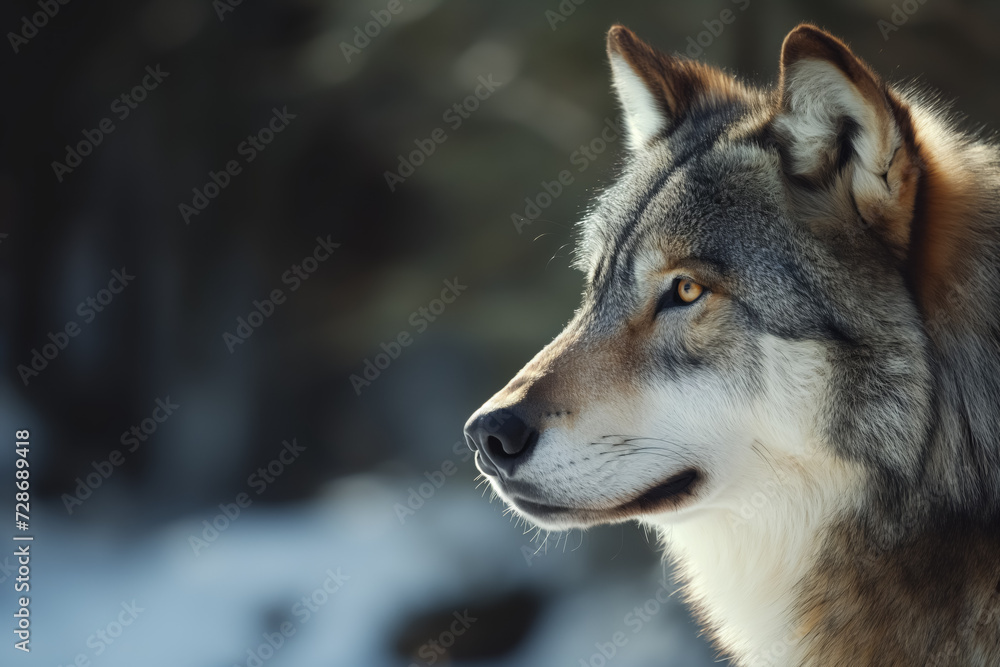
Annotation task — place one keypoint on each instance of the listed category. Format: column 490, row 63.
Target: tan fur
column 937, row 595
column 570, row 368
column 942, row 235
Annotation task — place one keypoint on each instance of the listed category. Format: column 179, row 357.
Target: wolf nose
column 502, row 440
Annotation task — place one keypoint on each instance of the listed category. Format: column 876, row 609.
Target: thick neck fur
column 743, row 563
column 744, row 554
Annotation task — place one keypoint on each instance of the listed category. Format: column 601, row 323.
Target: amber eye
column 688, row 291
column 683, row 292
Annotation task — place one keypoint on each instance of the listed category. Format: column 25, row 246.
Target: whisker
column 766, row 459
column 621, row 543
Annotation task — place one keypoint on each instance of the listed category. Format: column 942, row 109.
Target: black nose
column 502, row 439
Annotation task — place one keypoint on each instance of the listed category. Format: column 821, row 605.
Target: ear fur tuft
column 656, row 90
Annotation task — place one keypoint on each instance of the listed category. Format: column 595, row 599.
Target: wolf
column 786, row 361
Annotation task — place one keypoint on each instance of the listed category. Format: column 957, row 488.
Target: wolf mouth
column 665, row 495
column 662, row 497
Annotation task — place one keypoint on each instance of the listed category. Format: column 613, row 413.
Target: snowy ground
column 213, row 609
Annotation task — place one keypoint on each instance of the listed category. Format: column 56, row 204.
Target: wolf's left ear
column 836, row 116
column 655, row 90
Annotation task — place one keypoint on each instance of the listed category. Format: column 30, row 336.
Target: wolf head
column 758, row 282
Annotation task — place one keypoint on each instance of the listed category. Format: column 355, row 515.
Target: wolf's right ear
column 655, row 90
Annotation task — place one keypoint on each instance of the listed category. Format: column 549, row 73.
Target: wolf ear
column 836, row 116
column 655, row 89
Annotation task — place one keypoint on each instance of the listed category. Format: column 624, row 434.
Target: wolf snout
column 501, row 440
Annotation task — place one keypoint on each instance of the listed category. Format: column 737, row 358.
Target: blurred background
column 260, row 260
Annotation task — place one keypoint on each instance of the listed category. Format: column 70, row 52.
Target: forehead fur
column 711, row 190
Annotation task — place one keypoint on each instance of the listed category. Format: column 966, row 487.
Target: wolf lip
column 529, row 499
column 540, row 509
column 653, row 500
column 660, row 498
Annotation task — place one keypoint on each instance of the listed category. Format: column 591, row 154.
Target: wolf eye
column 682, row 292
column 688, row 291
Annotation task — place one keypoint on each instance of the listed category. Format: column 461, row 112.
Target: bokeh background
column 370, row 538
